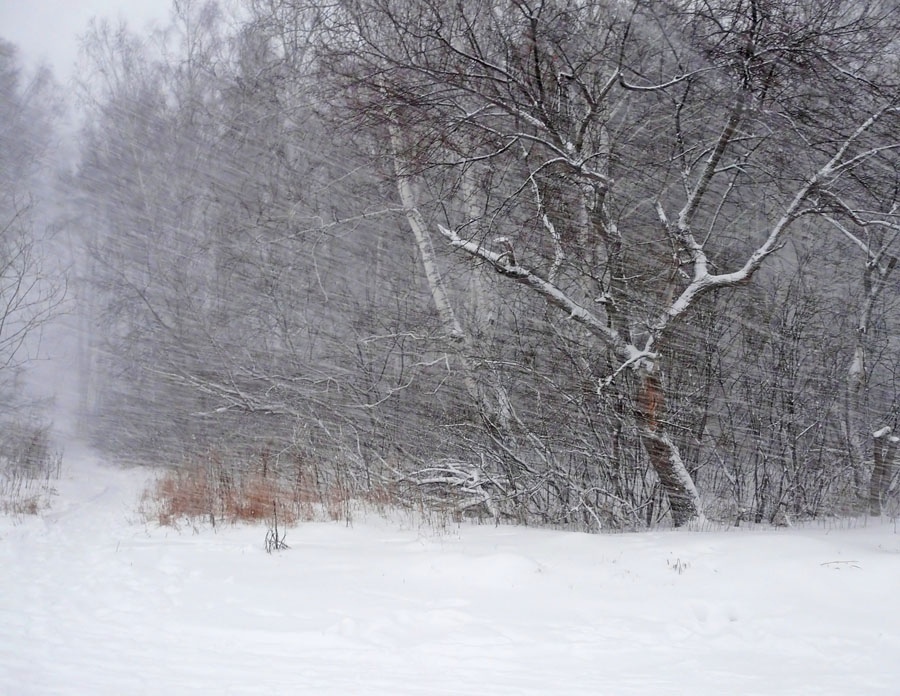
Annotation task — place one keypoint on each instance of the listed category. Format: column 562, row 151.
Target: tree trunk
column 461, row 339
column 885, row 451
column 853, row 411
column 874, row 282
column 665, row 458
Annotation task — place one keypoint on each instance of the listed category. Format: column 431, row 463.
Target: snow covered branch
column 551, row 293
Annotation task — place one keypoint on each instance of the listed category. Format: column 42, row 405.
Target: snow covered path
column 92, row 601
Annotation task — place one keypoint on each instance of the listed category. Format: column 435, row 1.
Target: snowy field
column 94, row 601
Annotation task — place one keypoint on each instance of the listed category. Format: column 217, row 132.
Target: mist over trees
column 32, row 284
column 588, row 264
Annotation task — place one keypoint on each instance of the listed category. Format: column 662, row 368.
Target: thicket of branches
column 577, row 263
column 32, row 285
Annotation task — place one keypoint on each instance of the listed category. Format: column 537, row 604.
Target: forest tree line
column 595, row 264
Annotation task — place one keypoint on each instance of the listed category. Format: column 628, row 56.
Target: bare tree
column 878, row 243
column 276, row 205
column 646, row 142
column 31, row 290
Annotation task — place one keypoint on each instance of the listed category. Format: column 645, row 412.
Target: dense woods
column 32, row 282
column 593, row 264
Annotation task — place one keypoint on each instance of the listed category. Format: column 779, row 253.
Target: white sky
column 48, row 30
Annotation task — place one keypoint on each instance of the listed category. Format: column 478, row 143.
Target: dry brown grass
column 218, row 489
column 195, row 495
column 27, row 505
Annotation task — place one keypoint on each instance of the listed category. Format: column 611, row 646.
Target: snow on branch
column 663, row 85
column 704, row 281
column 558, row 253
column 504, row 263
column 638, row 356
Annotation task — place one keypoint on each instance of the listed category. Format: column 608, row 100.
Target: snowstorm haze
column 49, row 31
column 47, row 35
column 577, row 266
column 336, row 338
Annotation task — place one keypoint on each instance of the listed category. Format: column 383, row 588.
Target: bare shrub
column 216, row 491
column 28, row 467
column 275, row 539
column 257, row 487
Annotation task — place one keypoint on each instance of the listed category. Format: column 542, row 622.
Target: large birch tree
column 652, row 145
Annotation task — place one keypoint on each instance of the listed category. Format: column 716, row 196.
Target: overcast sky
column 48, row 30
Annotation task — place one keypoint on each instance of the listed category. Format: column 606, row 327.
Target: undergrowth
column 29, row 466
column 220, row 487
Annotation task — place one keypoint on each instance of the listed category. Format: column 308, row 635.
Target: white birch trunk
column 483, row 309
column 464, row 355
column 885, row 454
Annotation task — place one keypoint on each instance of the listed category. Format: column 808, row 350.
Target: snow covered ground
column 94, row 601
